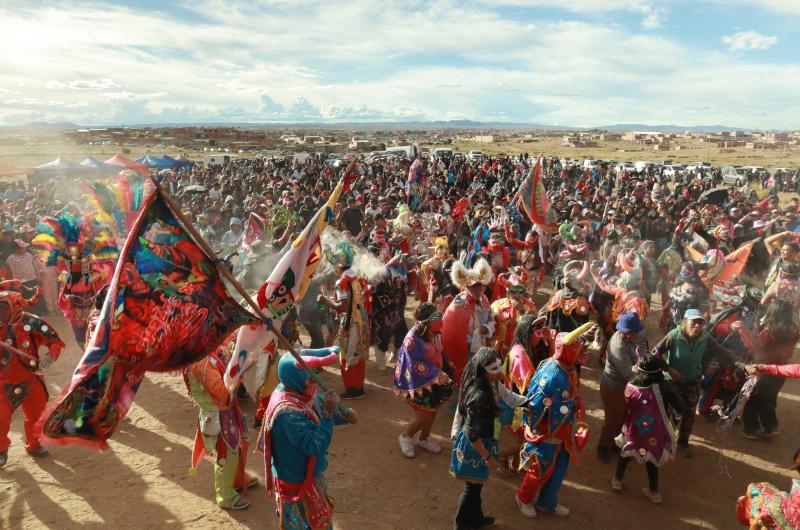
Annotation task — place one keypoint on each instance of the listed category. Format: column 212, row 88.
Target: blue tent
column 154, row 161
column 175, row 163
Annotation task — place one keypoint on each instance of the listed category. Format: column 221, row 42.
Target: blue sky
column 576, row 63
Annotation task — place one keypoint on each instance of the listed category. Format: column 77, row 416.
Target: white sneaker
column 429, row 445
column 616, row 485
column 561, row 511
column 407, row 446
column 528, row 510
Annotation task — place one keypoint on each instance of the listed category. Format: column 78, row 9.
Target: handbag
column 581, row 435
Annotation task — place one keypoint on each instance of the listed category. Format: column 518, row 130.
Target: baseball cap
column 693, row 314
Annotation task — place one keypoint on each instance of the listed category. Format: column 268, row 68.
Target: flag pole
column 228, row 276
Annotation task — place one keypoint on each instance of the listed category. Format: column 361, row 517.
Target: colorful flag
column 253, row 231
column 166, row 308
column 415, row 183
column 286, row 286
column 534, row 199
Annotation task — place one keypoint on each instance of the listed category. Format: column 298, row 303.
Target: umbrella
column 195, row 188
column 718, row 196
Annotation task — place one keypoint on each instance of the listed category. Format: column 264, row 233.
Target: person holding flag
column 298, row 429
column 285, row 287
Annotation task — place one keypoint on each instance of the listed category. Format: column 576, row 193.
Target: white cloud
column 83, row 84
column 749, row 40
column 124, row 94
column 255, row 62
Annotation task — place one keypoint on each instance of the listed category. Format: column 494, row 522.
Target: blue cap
column 693, row 314
column 629, row 322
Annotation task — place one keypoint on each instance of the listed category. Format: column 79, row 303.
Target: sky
column 580, row 63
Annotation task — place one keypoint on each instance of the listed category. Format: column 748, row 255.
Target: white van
column 442, row 152
column 219, row 160
column 408, row 151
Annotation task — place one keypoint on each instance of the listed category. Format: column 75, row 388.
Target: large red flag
column 534, row 199
column 166, row 308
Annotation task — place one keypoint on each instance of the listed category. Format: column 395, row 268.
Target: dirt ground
column 142, row 481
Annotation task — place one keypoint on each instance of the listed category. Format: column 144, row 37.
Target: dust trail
column 364, row 263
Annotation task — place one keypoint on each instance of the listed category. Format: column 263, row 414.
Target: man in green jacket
column 687, row 350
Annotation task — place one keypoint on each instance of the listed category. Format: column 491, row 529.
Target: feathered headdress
column 117, row 201
column 73, row 237
column 341, row 254
column 463, row 277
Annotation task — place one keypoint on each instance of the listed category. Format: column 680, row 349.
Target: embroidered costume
column 35, row 345
column 295, row 439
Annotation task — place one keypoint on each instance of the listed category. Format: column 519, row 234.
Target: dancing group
column 612, row 245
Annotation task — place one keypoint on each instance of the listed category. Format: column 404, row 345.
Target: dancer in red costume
column 468, row 321
column 21, row 383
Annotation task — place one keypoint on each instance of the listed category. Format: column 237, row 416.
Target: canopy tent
column 99, row 169
column 60, row 167
column 119, row 160
column 13, row 171
column 174, row 161
column 154, row 161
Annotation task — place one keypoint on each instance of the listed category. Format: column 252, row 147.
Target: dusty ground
column 142, row 480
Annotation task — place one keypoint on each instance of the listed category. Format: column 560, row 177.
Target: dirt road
column 142, row 480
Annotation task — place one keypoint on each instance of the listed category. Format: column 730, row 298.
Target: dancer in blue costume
column 298, row 428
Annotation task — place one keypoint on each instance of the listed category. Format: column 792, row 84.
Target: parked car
column 475, row 154
column 673, row 171
column 625, row 166
column 734, row 176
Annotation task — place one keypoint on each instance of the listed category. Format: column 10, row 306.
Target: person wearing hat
column 233, row 237
column 687, row 350
column 618, row 371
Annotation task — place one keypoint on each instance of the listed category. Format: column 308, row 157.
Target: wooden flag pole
column 228, row 276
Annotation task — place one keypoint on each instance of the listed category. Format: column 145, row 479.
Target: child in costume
column 421, row 378
column 297, row 431
column 554, row 408
column 648, row 434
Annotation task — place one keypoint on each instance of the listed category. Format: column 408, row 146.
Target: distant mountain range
column 439, row 124
column 668, row 128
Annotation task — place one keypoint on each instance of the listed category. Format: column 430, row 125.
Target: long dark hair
column 474, row 381
column 423, row 313
column 778, row 321
column 522, row 335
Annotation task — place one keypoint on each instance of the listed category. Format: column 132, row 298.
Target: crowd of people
column 453, row 241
